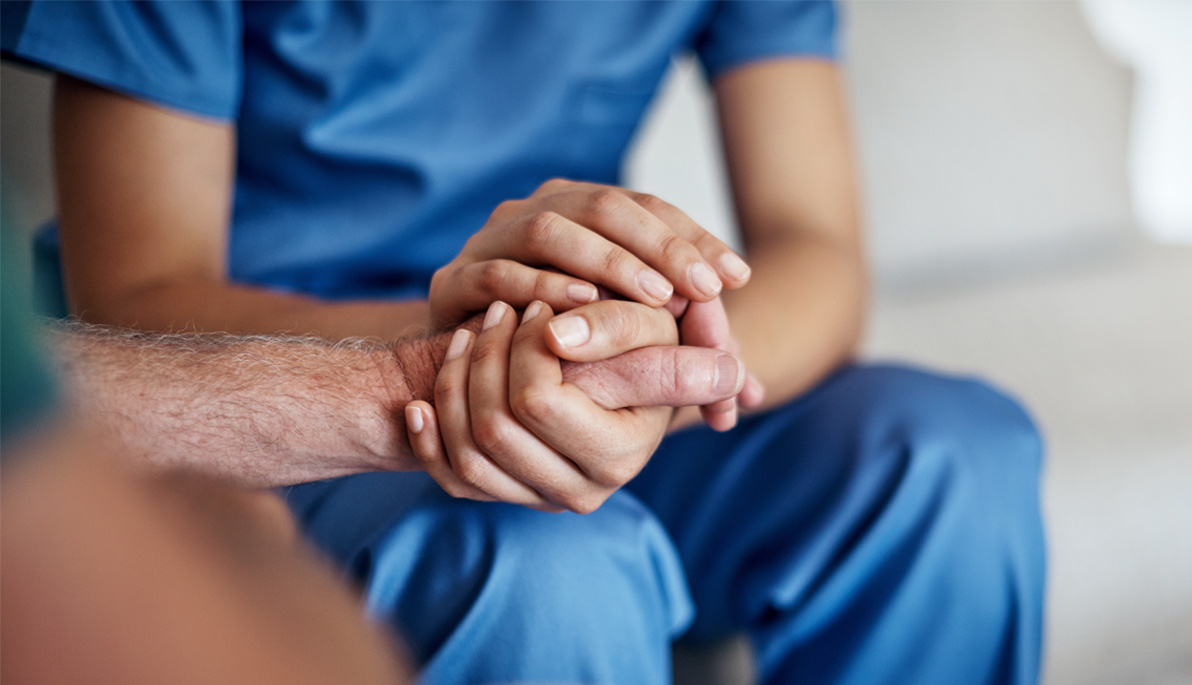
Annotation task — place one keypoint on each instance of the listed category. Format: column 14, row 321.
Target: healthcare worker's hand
column 513, row 423
column 636, row 245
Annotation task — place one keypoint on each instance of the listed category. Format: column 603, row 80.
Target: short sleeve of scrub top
column 374, row 138
column 183, row 55
column 746, row 31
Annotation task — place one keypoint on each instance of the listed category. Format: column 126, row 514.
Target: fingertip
column 720, row 420
column 569, row 331
column 655, row 286
column 704, row 280
column 582, row 293
column 459, row 343
column 496, row 312
column 532, row 311
column 730, row 375
column 734, row 269
column 753, row 394
column 677, row 306
column 414, row 419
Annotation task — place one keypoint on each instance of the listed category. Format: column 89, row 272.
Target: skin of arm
column 126, row 172
column 273, row 410
column 787, row 142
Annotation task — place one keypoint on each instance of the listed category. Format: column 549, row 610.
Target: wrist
column 379, row 433
column 416, row 363
column 420, row 359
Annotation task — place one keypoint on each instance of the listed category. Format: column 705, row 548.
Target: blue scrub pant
column 882, row 528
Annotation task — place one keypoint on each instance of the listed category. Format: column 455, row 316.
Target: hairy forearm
column 262, row 410
column 275, row 410
column 802, row 314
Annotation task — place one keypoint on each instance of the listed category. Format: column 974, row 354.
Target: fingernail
column 734, row 266
column 704, row 279
column 654, row 285
column 496, row 312
column 582, row 293
column 729, row 372
column 414, row 419
column 532, row 311
column 459, row 343
column 570, row 331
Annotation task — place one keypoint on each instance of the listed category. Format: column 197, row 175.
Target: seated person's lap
column 804, row 526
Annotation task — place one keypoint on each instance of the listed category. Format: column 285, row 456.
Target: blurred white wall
column 990, row 134
column 1154, row 37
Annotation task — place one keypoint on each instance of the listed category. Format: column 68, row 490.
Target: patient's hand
column 510, row 423
column 633, row 244
column 606, row 329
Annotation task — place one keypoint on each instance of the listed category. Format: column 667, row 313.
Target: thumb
column 663, row 376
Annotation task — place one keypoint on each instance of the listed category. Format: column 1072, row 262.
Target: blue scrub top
column 375, row 137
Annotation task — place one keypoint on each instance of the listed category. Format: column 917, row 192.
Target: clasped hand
column 558, row 412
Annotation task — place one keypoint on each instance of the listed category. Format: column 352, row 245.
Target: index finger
column 733, row 270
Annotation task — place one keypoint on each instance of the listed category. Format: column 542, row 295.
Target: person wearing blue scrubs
column 320, row 167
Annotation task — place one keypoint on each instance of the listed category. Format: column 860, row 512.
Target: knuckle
column 674, row 248
column 543, row 290
column 652, row 203
column 616, row 260
column 670, row 375
column 532, row 405
column 625, row 329
column 447, row 388
column 487, row 353
column 585, row 502
column 425, row 458
column 606, row 202
column 453, row 488
column 684, row 385
column 615, row 473
column 710, row 243
column 542, row 227
column 470, row 471
column 492, row 275
column 691, row 375
column 492, row 435
column 555, row 184
column 506, row 208
column 437, row 278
